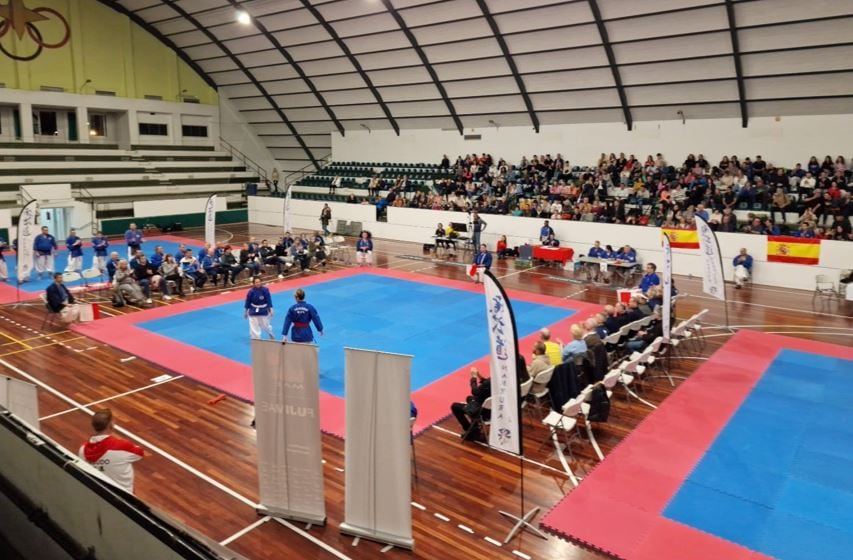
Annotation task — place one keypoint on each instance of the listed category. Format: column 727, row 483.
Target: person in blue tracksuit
column 483, row 262
column 743, row 268
column 258, row 309
column 597, row 252
column 45, row 248
column 75, row 252
column 134, row 239
column 100, row 245
column 300, row 316
column 650, row 278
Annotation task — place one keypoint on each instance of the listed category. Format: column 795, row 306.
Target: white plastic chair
column 542, row 379
column 824, row 287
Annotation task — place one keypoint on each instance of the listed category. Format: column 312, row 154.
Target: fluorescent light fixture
column 244, row 17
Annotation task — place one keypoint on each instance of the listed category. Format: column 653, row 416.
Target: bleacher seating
column 355, row 176
column 112, row 178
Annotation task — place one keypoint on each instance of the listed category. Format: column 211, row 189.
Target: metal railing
column 248, row 163
column 300, row 174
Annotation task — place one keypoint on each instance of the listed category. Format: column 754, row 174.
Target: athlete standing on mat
column 258, row 309
column 300, row 316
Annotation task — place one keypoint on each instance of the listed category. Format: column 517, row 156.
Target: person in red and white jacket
column 111, row 455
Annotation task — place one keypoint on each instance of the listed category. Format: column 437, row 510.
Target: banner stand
column 505, row 433
column 377, row 456
column 287, row 414
column 24, row 256
column 713, row 280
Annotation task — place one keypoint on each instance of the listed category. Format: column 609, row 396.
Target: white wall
column 408, row 224
column 144, row 208
column 782, row 140
column 234, row 129
column 173, row 111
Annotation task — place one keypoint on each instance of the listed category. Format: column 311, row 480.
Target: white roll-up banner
column 713, row 283
column 288, row 219
column 667, row 287
column 378, row 469
column 505, row 431
column 210, row 220
column 287, row 418
column 27, row 232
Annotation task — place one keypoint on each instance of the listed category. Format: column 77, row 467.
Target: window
column 153, row 129
column 44, row 123
column 194, row 130
column 97, row 124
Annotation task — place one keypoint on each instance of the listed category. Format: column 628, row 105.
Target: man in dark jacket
column 59, row 300
column 481, row 389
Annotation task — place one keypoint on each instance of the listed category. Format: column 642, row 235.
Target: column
column 25, row 110
column 82, row 124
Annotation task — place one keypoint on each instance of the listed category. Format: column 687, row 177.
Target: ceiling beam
column 271, row 38
column 162, row 38
column 353, row 60
column 273, row 105
column 510, row 62
column 741, row 85
column 425, row 61
column 611, row 60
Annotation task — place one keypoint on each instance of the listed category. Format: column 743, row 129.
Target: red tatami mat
column 618, row 508
column 234, row 378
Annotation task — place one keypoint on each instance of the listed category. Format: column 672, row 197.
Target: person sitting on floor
column 743, row 268
column 59, row 300
column 577, row 344
column 481, row 389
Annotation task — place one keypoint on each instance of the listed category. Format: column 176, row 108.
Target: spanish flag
column 682, row 238
column 798, row 250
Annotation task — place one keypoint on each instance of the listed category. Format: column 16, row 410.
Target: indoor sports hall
column 426, row 279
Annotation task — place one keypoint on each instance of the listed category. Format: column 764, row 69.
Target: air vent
column 2, row 84
column 104, row 92
column 191, row 100
column 56, row 89
column 154, row 97
column 473, row 137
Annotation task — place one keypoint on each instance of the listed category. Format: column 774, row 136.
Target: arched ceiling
column 303, row 68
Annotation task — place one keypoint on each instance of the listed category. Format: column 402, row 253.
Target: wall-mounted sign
column 29, row 30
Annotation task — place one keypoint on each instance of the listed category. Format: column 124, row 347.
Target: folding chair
column 542, row 379
column 565, row 421
column 481, row 421
column 524, row 390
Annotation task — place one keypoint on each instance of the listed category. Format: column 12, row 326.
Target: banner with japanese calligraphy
column 210, row 221
column 667, row 288
column 505, row 432
column 27, row 232
column 288, row 218
column 287, row 417
column 377, row 456
column 712, row 275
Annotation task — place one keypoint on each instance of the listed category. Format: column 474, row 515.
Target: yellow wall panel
column 106, row 48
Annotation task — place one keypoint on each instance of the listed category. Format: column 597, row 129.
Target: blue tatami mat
column 443, row 328
column 778, row 477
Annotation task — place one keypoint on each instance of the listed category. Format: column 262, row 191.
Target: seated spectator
column 781, row 203
column 616, row 317
column 645, row 337
column 112, row 264
column 577, row 344
column 126, row 287
column 551, row 241
column 743, row 268
column 170, row 271
column 537, row 365
column 482, row 263
column 626, row 254
column 156, row 258
column 596, row 252
column 590, row 336
column 481, row 389
column 249, row 259
column 503, row 250
column 636, row 309
column 230, row 267
column 553, row 350
column 650, row 278
column 59, row 300
column 655, row 295
column 600, row 329
column 191, row 270
column 146, row 277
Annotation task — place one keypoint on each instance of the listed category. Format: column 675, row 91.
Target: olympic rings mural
column 21, row 20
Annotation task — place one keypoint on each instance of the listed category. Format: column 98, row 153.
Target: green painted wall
column 105, row 47
column 118, row 226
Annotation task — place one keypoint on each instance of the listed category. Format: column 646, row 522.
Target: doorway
column 57, row 221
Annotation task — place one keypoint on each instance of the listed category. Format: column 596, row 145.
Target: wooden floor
column 200, row 466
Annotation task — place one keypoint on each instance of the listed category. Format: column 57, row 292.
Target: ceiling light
column 244, row 17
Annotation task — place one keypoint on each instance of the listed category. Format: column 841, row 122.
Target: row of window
column 158, row 129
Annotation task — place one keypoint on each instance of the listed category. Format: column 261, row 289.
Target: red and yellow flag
column 798, row 250
column 682, row 238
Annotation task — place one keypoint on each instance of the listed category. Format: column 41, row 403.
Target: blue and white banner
column 288, row 219
column 210, row 221
column 713, row 283
column 667, row 287
column 505, row 432
column 27, row 232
